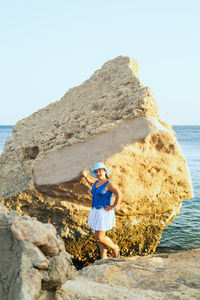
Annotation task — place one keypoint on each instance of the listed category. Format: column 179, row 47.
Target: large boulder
column 171, row 276
column 26, row 272
column 112, row 118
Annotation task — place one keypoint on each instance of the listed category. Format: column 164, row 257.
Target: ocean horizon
column 184, row 232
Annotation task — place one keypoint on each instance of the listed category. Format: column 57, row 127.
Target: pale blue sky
column 47, row 47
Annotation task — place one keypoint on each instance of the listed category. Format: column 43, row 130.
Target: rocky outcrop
column 26, row 272
column 41, row 235
column 170, row 276
column 111, row 118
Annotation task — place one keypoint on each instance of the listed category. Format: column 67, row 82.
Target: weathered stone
column 3, row 209
column 29, row 283
column 22, row 265
column 46, row 295
column 58, row 271
column 112, row 118
column 42, row 235
column 87, row 290
column 35, row 256
column 171, row 276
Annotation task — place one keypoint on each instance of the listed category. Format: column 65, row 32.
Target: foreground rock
column 112, row 118
column 173, row 276
column 41, row 235
column 25, row 271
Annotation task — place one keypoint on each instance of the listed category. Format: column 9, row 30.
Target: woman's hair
column 106, row 174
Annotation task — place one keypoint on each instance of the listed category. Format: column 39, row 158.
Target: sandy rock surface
column 87, row 290
column 112, row 118
column 41, row 235
column 161, row 276
column 26, row 273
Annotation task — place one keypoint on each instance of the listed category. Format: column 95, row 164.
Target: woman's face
column 100, row 173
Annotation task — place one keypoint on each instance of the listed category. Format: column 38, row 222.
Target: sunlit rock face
column 112, row 118
column 155, row 277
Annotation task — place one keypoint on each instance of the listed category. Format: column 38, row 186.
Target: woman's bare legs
column 101, row 238
column 103, row 250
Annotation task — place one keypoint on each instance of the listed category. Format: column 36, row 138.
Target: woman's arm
column 86, row 173
column 111, row 187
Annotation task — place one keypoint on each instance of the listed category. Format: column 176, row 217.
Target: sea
column 184, row 232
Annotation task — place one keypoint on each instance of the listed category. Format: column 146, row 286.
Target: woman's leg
column 102, row 247
column 101, row 237
column 103, row 251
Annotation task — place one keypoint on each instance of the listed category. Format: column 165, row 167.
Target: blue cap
column 97, row 166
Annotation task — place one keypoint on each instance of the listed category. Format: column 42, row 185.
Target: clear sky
column 48, row 46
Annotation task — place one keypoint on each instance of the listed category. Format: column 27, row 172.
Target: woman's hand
column 113, row 188
column 109, row 207
column 85, row 173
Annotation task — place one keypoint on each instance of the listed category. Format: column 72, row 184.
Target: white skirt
column 101, row 220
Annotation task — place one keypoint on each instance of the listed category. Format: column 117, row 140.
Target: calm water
column 184, row 231
column 5, row 132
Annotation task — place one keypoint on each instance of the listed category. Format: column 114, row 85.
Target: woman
column 102, row 215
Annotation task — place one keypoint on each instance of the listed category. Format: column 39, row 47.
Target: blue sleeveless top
column 100, row 196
